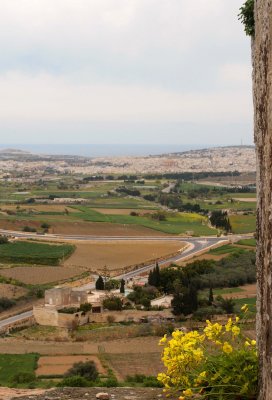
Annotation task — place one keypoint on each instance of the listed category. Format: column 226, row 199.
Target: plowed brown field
column 40, row 275
column 117, row 254
column 61, row 364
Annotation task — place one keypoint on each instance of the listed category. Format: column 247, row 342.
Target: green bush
column 110, row 382
column 6, row 303
column 24, row 377
column 86, row 370
column 113, row 303
column 74, row 381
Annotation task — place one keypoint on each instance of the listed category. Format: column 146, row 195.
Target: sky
column 124, row 71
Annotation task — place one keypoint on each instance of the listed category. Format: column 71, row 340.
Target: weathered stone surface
column 103, row 396
column 262, row 94
column 90, row 393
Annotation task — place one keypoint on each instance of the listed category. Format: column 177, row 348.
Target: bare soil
column 61, row 364
column 248, row 291
column 117, row 255
column 131, row 364
column 140, row 345
column 41, row 275
column 82, row 228
column 11, row 291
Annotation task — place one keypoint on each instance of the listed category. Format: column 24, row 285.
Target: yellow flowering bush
column 217, row 363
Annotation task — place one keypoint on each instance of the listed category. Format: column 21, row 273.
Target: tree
column 210, row 296
column 99, row 284
column 86, row 370
column 258, row 24
column 122, row 286
column 184, row 300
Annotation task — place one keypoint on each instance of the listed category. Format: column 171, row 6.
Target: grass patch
column 250, row 301
column 247, row 242
column 243, row 223
column 35, row 253
column 227, row 249
column 11, row 365
column 220, row 292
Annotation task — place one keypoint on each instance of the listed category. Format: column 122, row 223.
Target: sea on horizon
column 103, row 150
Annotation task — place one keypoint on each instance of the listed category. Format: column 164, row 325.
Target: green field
column 243, row 223
column 176, row 223
column 247, row 242
column 34, row 252
column 227, row 249
column 13, row 364
column 250, row 301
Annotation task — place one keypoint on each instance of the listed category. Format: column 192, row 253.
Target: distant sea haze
column 103, row 150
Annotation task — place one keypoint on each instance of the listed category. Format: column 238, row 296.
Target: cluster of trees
column 6, row 303
column 220, row 220
column 143, row 295
column 184, row 283
column 189, row 176
column 128, row 191
column 173, row 201
column 110, row 284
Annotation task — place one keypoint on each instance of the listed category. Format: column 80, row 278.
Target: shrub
column 113, row 303
column 85, row 307
column 3, row 239
column 24, row 377
column 74, row 381
column 29, row 229
column 85, row 370
column 152, row 381
column 111, row 382
column 6, row 303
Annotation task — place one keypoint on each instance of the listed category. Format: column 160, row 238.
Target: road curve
column 196, row 245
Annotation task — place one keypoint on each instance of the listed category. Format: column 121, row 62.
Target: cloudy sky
column 124, row 71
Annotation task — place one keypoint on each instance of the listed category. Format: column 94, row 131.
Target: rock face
column 262, row 93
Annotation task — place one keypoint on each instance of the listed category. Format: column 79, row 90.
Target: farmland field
column 243, row 223
column 59, row 365
column 131, row 364
column 116, row 255
column 12, row 364
column 40, row 275
column 34, row 252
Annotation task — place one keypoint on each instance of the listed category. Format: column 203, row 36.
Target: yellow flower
column 163, row 340
column 181, row 398
column 188, row 392
column 253, row 342
column 244, row 308
column 235, row 330
column 247, row 343
column 227, row 348
column 237, row 319
column 228, row 325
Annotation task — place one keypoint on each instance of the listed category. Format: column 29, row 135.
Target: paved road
column 195, row 245
column 6, row 322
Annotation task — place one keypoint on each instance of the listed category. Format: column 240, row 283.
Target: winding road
column 195, row 246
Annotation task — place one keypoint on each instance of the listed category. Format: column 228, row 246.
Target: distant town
column 221, row 159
